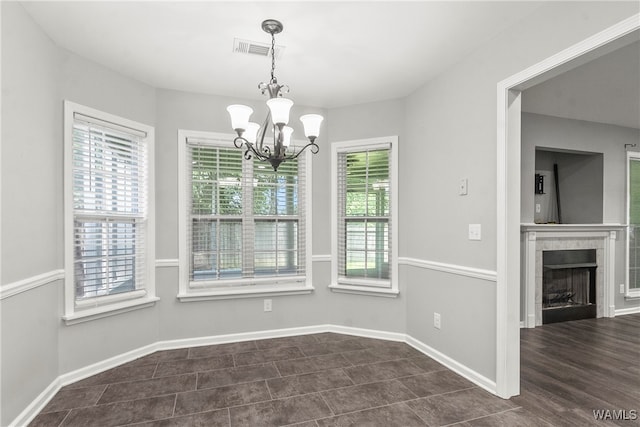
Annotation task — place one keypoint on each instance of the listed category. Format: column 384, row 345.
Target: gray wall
column 31, row 209
column 451, row 131
column 580, row 178
column 364, row 121
column 568, row 134
column 446, row 132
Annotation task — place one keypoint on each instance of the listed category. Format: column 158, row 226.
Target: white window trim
column 365, row 286
column 115, row 304
column 244, row 288
column 630, row 293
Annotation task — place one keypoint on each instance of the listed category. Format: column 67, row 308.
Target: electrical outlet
column 436, row 320
column 462, row 187
column 622, row 288
column 475, row 232
column 267, row 305
column 537, row 207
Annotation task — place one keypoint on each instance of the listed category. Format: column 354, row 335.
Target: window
column 364, row 231
column 633, row 224
column 243, row 227
column 109, row 250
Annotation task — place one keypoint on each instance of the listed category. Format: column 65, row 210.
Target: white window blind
column 245, row 222
column 364, row 216
column 110, row 210
column 633, row 223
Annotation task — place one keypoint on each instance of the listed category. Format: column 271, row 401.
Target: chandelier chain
column 273, row 58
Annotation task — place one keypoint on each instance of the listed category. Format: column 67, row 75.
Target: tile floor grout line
column 366, row 409
column 277, row 369
column 480, row 417
column 415, row 413
column 101, row 394
column 268, row 389
column 443, row 394
column 175, row 403
column 327, row 403
column 65, row 417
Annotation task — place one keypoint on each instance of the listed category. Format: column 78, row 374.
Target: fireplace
column 568, row 285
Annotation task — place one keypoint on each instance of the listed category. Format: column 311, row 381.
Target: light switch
column 462, row 187
column 475, row 232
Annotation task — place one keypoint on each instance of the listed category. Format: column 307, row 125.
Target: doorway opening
column 509, row 187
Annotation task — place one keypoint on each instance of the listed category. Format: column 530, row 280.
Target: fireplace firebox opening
column 568, row 285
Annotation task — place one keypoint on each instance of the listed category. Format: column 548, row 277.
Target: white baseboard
column 454, row 365
column 368, row 333
column 245, row 336
column 37, row 405
column 41, row 401
column 631, row 310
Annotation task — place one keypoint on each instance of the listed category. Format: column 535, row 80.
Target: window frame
column 383, row 288
column 102, row 306
column 629, row 291
column 242, row 287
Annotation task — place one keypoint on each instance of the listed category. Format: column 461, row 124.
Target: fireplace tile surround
column 537, row 238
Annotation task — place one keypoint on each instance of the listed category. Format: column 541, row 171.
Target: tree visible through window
column 246, row 221
column 366, row 214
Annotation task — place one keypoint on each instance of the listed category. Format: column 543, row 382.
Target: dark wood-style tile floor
column 330, row 379
column 570, row 369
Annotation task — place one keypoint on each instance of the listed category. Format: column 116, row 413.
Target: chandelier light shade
column 251, row 136
column 239, row 116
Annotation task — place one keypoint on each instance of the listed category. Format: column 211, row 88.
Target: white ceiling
column 337, row 53
column 605, row 90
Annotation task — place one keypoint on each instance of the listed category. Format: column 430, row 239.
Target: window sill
column 361, row 290
column 632, row 295
column 109, row 310
column 262, row 291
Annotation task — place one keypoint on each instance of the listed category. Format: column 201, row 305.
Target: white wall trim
column 169, row 262
column 630, row 310
column 321, row 258
column 37, row 405
column 32, row 410
column 453, row 364
column 29, row 283
column 386, row 142
column 460, row 270
column 508, row 194
column 70, row 109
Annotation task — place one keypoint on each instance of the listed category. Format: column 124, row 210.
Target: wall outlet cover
column 462, row 187
column 436, row 320
column 475, row 232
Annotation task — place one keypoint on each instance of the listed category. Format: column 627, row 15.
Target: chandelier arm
column 252, row 149
column 263, row 131
column 239, row 141
column 314, row 149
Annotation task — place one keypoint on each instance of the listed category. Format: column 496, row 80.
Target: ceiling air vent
column 250, row 47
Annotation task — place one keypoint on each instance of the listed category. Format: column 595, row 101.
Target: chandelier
column 252, row 136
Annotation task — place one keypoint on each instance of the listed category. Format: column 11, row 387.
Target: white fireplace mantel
column 540, row 237
column 571, row 227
